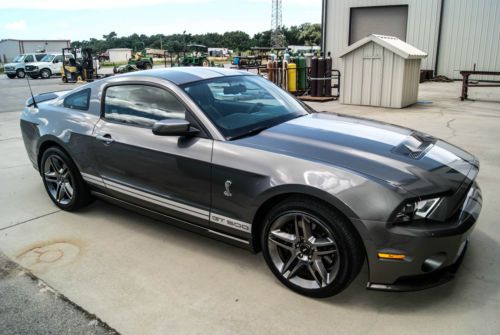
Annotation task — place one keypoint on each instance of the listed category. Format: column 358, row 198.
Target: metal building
column 10, row 48
column 456, row 34
column 381, row 71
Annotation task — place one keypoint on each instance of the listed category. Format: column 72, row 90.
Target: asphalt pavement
column 30, row 306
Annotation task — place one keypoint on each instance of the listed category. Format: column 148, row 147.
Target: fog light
column 384, row 255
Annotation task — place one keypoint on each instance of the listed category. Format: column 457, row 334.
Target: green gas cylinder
column 301, row 72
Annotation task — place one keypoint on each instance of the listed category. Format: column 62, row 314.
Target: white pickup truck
column 50, row 65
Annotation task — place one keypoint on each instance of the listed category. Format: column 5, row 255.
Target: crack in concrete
column 29, row 220
column 10, row 138
column 453, row 130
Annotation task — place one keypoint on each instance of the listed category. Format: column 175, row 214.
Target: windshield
column 240, row 105
column 48, row 58
column 18, row 59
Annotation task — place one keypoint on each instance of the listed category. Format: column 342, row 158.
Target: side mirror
column 174, row 127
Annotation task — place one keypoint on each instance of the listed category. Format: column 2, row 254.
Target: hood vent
column 415, row 146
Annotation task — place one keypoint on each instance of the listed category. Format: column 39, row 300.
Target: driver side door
column 167, row 174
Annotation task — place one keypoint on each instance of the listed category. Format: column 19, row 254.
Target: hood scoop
column 415, row 145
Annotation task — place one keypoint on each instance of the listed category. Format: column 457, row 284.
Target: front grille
column 29, row 67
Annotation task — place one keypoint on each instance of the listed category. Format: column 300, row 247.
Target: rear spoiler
column 45, row 97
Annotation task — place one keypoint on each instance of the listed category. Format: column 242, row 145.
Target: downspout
column 439, row 38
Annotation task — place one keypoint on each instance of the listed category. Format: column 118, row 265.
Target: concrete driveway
column 145, row 277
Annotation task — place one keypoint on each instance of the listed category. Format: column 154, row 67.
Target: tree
column 307, row 33
column 236, row 40
column 310, row 34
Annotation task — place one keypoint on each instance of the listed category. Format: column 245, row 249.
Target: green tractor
column 193, row 55
column 139, row 61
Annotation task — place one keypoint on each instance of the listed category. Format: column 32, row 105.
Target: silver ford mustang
column 230, row 155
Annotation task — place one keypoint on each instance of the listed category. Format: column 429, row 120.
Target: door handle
column 107, row 139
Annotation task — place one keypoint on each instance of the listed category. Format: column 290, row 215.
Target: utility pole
column 277, row 37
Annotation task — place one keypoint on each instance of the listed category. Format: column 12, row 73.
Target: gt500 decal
column 225, row 221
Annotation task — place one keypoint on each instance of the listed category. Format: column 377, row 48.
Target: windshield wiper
column 251, row 132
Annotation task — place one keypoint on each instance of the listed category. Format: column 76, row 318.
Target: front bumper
column 9, row 71
column 35, row 72
column 433, row 253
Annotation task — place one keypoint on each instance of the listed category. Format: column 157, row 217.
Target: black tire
column 349, row 253
column 33, row 76
column 45, row 74
column 81, row 194
column 11, row 76
column 147, row 66
column 20, row 73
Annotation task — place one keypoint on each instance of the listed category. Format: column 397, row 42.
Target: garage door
column 383, row 20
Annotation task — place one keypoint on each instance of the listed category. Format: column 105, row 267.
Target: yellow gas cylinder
column 292, row 77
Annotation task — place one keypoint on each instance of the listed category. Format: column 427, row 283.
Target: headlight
column 417, row 210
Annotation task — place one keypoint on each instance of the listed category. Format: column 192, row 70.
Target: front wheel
column 20, row 73
column 45, row 74
column 33, row 76
column 63, row 181
column 311, row 248
column 11, row 76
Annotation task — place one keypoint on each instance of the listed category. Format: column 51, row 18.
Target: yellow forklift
column 78, row 68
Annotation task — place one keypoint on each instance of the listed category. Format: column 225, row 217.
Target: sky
column 78, row 20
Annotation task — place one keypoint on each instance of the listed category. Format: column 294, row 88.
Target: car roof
column 184, row 75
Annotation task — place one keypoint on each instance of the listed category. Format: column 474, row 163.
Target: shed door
column 382, row 20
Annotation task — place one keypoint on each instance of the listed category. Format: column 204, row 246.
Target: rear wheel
column 33, row 76
column 147, row 66
column 45, row 74
column 20, row 73
column 63, row 181
column 311, row 248
column 11, row 76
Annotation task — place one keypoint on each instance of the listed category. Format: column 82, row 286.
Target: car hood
column 416, row 162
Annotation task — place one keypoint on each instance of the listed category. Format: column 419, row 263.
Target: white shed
column 119, row 55
column 380, row 71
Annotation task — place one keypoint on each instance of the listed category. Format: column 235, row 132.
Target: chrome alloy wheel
column 303, row 250
column 58, row 179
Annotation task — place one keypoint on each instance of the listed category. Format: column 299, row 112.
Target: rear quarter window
column 79, row 100
column 39, row 57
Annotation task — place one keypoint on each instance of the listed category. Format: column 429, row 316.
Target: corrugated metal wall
column 422, row 30
column 49, row 46
column 8, row 50
column 470, row 32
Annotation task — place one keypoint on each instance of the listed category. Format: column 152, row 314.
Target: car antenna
column 32, row 96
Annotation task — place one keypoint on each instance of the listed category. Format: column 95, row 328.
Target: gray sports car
column 230, row 155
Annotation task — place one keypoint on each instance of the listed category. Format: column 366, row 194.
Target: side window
column 58, row 59
column 39, row 57
column 79, row 100
column 141, row 105
column 29, row 59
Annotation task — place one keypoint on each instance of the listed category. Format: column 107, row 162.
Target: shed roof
column 392, row 43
